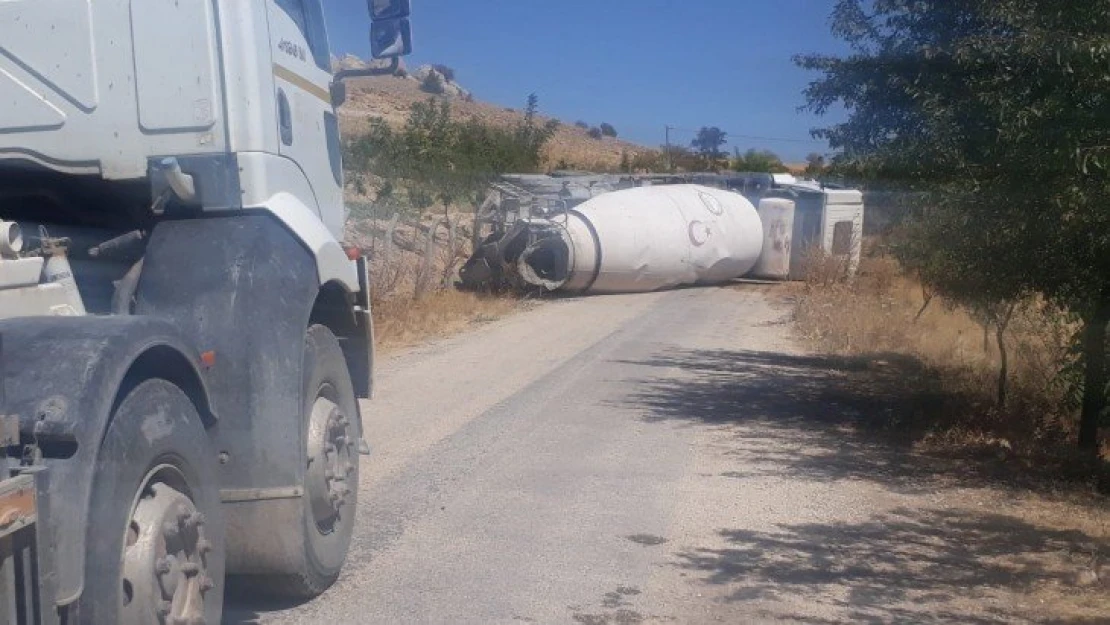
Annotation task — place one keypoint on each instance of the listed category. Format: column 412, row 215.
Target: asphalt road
column 663, row 457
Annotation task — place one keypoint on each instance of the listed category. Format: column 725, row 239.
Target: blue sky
column 637, row 64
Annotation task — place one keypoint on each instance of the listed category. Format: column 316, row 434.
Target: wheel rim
column 330, row 461
column 165, row 557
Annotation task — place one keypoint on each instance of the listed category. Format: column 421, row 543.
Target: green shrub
column 435, row 159
column 433, row 84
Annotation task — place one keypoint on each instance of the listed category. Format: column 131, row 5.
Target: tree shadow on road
column 831, row 419
column 836, row 417
column 918, row 566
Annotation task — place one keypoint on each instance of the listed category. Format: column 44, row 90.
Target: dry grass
column 930, row 383
column 403, row 321
column 947, row 367
column 412, row 296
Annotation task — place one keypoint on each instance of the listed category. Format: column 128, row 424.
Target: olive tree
column 996, row 114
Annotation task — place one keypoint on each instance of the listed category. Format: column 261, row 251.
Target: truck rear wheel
column 331, row 460
column 155, row 537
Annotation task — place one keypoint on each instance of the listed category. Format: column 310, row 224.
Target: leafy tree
column 815, row 164
column 758, row 161
column 581, row 124
column 708, row 143
column 608, row 130
column 994, row 116
column 595, row 133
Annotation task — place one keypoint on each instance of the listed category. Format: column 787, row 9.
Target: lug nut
column 194, row 520
column 190, row 569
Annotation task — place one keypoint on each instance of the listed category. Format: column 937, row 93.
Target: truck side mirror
column 389, row 9
column 390, row 38
column 390, row 31
column 338, row 90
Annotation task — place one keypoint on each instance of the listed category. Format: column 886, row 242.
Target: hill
column 390, row 98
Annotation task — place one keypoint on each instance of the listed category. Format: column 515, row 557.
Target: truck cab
column 184, row 340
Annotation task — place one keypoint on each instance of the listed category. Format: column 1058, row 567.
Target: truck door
column 308, row 130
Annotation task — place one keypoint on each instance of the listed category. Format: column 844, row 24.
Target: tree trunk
column 387, row 240
column 423, row 280
column 928, row 297
column 1094, row 375
column 1003, row 355
column 452, row 251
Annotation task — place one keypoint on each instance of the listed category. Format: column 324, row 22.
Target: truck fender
column 63, row 377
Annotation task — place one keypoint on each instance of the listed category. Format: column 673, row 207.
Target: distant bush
column 581, row 124
column 432, row 84
column 596, row 133
column 447, row 72
column 650, row 161
column 608, row 130
column 435, row 159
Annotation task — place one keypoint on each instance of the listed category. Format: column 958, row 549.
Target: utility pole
column 667, row 130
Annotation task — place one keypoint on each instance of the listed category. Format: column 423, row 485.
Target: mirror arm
column 344, row 74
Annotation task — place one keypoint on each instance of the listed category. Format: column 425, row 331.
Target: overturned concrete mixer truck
column 614, row 234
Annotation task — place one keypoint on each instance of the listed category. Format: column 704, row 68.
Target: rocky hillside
column 390, row 97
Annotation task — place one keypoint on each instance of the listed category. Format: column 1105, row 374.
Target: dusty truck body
column 580, row 233
column 183, row 340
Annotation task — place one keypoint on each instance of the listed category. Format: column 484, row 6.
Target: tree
column 758, row 161
column 437, row 159
column 581, row 124
column 994, row 116
column 708, row 143
column 608, row 130
column 595, row 133
column 815, row 164
column 432, row 84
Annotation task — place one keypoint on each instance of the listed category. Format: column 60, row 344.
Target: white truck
column 183, row 338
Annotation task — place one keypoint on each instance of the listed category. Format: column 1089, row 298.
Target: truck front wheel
column 155, row 538
column 330, row 494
